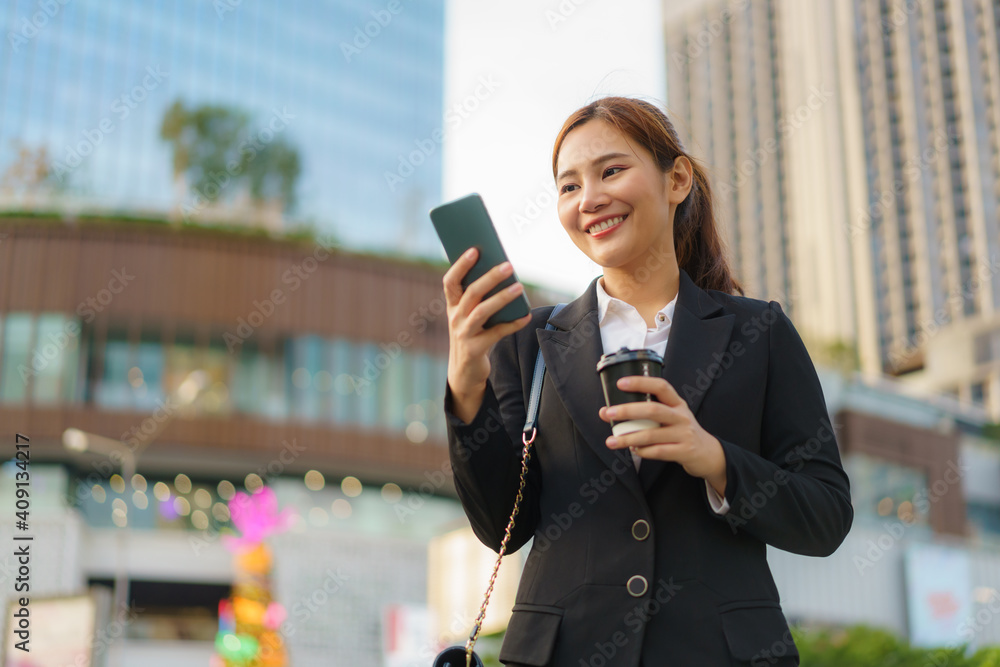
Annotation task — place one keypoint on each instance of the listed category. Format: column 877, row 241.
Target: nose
column 593, row 197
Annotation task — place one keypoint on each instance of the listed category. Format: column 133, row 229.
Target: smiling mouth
column 607, row 224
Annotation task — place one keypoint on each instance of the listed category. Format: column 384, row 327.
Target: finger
column 495, row 333
column 481, row 286
column 452, row 279
column 663, row 452
column 657, row 386
column 487, row 307
column 667, row 435
column 659, row 412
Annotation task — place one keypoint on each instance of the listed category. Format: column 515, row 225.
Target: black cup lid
column 624, row 354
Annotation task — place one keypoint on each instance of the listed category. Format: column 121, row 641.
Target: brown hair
column 699, row 247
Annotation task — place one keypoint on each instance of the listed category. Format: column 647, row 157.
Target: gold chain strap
column 525, row 457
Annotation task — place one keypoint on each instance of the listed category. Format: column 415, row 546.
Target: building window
column 393, row 387
column 17, row 337
column 366, row 375
column 985, row 519
column 146, row 376
column 986, row 347
column 885, row 491
column 54, row 359
column 113, row 389
column 344, row 397
column 249, row 379
column 978, row 393
column 304, row 361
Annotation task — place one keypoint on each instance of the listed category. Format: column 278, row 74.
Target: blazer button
column 637, row 586
column 640, row 529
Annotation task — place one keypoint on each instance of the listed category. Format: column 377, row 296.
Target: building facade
column 856, row 151
column 209, row 362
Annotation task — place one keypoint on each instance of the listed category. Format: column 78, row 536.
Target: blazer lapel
column 571, row 353
column 697, row 332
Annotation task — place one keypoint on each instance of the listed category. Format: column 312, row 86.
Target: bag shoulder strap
column 535, row 397
column 529, row 427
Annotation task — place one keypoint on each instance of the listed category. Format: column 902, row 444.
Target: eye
column 611, row 171
column 567, row 188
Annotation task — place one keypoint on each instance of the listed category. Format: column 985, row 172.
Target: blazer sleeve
column 486, row 453
column 795, row 494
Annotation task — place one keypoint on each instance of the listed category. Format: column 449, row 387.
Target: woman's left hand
column 680, row 438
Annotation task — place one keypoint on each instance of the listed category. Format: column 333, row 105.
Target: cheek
column 567, row 215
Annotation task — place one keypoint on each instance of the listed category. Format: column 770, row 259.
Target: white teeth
column 600, row 227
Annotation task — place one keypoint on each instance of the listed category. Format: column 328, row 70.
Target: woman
column 649, row 548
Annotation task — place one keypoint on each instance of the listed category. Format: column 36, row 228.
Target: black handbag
column 456, row 656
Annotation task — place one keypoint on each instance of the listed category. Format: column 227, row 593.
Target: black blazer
column 634, row 568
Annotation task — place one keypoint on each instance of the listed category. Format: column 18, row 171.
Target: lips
column 604, row 225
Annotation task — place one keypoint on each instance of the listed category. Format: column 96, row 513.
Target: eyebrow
column 595, row 161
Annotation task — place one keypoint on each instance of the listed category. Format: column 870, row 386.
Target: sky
column 513, row 72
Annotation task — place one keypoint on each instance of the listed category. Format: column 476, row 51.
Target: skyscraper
column 354, row 89
column 856, row 153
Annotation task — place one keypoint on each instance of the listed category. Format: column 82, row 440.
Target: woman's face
column 604, row 179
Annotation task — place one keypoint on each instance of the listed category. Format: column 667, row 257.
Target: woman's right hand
column 469, row 341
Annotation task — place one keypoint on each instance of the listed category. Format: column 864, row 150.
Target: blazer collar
column 700, row 329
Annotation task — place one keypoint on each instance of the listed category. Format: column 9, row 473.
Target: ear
column 680, row 179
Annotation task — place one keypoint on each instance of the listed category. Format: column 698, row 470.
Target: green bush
column 856, row 646
column 861, row 646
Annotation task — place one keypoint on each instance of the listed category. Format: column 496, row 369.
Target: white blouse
column 622, row 326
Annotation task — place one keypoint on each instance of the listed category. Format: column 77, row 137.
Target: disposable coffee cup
column 615, row 365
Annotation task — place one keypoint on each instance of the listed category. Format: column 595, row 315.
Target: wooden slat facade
column 201, row 282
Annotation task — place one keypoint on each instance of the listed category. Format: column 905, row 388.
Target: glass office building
column 355, row 88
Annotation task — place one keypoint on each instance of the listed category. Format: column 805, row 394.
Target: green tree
column 215, row 157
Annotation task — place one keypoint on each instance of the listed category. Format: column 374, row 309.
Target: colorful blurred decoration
column 256, row 516
column 249, row 620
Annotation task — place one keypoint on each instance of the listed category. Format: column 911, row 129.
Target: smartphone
column 464, row 223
